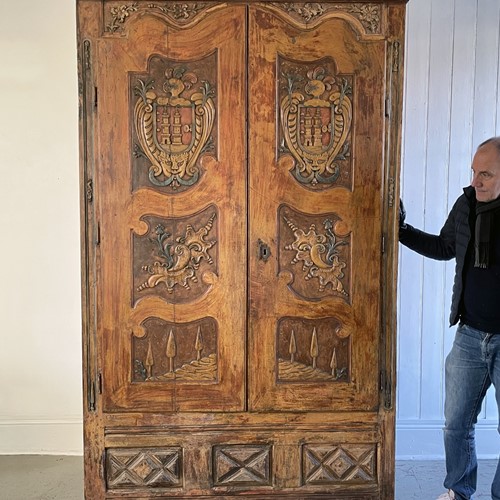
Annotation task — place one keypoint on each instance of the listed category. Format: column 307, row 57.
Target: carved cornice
column 118, row 13
column 368, row 14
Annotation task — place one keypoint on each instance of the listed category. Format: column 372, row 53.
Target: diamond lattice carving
column 154, row 468
column 328, row 464
column 242, row 465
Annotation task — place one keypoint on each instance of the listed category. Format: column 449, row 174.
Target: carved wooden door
column 239, row 166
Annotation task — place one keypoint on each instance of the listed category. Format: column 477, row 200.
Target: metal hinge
column 387, row 107
column 396, row 56
column 99, row 383
column 386, row 389
column 90, row 191
column 95, row 97
column 97, row 239
column 102, row 465
column 91, row 401
column 383, row 243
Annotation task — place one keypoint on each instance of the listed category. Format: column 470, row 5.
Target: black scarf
column 484, row 224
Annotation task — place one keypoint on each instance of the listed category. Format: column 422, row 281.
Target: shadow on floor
column 45, row 477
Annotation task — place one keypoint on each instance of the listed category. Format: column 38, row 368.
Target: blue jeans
column 472, row 365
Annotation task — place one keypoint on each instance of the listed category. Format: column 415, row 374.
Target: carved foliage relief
column 180, row 352
column 176, row 258
column 368, row 14
column 316, row 350
column 315, row 250
column 174, row 116
column 316, row 113
column 151, row 468
column 117, row 14
column 338, row 463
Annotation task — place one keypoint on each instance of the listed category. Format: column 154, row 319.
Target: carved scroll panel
column 316, row 251
column 176, row 258
column 174, row 117
column 316, row 114
column 180, row 352
column 316, row 350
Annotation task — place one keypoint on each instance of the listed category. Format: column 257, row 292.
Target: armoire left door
column 239, row 166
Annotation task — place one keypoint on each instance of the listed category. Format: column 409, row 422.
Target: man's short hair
column 494, row 141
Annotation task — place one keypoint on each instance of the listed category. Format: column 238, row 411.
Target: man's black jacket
column 452, row 241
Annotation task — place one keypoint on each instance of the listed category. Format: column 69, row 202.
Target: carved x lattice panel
column 333, row 464
column 151, row 468
column 244, row 465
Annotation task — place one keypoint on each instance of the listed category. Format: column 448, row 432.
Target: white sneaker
column 449, row 495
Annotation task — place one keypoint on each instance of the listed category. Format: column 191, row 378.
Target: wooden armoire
column 239, row 179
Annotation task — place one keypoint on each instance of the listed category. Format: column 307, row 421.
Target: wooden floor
column 43, row 477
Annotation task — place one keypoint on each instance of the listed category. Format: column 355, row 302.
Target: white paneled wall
column 451, row 106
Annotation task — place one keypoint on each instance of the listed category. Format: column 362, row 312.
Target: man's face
column 486, row 173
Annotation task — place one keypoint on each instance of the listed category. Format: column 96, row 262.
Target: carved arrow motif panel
column 180, row 352
column 316, row 350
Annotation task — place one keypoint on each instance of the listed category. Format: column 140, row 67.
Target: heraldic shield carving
column 316, row 119
column 174, row 116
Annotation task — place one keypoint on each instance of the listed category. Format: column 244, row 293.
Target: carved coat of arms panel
column 174, row 115
column 316, row 118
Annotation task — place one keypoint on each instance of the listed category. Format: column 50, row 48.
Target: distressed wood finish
column 239, row 168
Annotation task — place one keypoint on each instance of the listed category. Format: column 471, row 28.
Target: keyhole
column 264, row 251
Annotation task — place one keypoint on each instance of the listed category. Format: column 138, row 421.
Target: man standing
column 471, row 235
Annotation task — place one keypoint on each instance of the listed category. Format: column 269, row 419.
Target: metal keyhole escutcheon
column 264, row 251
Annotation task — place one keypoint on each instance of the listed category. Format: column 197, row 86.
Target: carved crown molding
column 369, row 15
column 116, row 14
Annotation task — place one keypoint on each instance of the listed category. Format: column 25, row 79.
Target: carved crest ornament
column 173, row 125
column 316, row 118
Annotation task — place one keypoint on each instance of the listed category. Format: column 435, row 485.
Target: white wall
column 451, row 105
column 40, row 353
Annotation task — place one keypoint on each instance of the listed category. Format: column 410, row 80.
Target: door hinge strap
column 91, row 396
column 396, row 56
column 97, row 239
column 386, row 389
